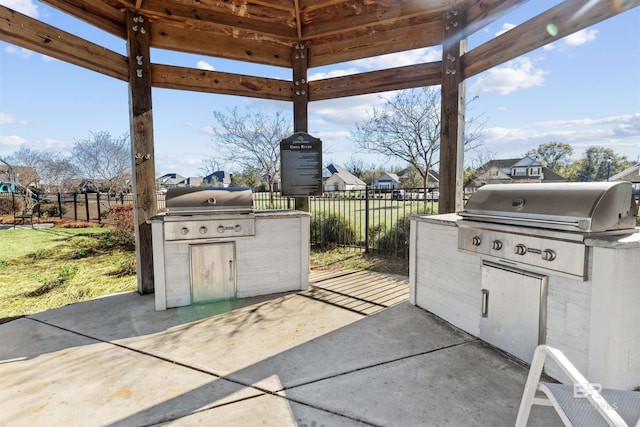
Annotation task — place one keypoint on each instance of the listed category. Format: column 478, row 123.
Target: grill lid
column 185, row 200
column 583, row 206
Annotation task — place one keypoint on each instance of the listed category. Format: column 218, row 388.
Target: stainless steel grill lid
column 583, row 206
column 209, row 199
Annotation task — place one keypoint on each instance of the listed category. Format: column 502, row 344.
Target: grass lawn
column 41, row 269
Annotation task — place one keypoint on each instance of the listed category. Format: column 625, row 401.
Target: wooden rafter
column 34, row 35
column 560, row 21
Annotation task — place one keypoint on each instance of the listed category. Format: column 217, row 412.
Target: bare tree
column 105, row 158
column 251, row 139
column 32, row 161
column 407, row 127
column 56, row 169
column 210, row 165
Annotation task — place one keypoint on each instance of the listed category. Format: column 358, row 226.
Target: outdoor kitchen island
column 209, row 256
column 594, row 320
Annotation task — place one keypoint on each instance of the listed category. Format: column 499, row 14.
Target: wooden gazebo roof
column 296, row 34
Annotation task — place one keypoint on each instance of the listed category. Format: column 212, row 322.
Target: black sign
column 301, row 165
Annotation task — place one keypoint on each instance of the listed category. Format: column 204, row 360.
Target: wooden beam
column 221, row 43
column 28, row 33
column 299, row 61
column 452, row 116
column 567, row 18
column 249, row 18
column 407, row 77
column 106, row 15
column 354, row 45
column 171, row 77
column 143, row 159
column 300, row 87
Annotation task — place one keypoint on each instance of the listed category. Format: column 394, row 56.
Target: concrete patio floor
column 306, row 359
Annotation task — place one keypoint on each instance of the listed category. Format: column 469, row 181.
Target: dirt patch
column 57, row 222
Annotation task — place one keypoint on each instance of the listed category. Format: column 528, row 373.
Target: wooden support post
column 300, row 103
column 144, row 194
column 452, row 115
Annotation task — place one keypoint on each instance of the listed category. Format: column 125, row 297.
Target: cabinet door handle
column 485, row 302
column 231, row 270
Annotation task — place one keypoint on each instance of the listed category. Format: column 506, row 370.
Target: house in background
column 433, row 178
column 342, row 179
column 218, row 179
column 509, row 171
column 169, row 180
column 386, row 181
column 632, row 175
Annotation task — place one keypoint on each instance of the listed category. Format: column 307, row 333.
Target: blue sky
column 583, row 90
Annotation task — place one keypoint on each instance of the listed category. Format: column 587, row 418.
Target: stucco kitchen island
column 594, row 321
column 213, row 256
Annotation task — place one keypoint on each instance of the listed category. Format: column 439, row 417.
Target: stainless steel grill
column 591, row 207
column 544, row 225
column 203, row 200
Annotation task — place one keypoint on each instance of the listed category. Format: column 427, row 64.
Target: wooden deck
column 363, row 292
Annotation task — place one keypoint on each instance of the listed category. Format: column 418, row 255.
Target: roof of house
column 433, row 175
column 388, row 176
column 171, row 179
column 631, row 174
column 498, row 164
column 220, row 176
column 346, row 176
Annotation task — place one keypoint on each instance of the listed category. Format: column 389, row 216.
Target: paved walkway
column 314, row 358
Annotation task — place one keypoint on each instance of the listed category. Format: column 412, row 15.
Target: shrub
column 333, row 230
column 6, row 206
column 122, row 232
column 396, row 239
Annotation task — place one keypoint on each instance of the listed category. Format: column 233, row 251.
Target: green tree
column 597, row 164
column 554, row 155
column 247, row 178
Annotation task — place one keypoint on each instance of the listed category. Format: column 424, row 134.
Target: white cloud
column 581, row 37
column 11, row 141
column 204, row 65
column 333, row 73
column 392, row 60
column 18, row 51
column 26, row 7
column 6, row 119
column 505, row 27
column 517, row 74
column 345, row 111
column 621, row 133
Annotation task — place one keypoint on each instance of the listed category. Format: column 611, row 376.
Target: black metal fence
column 369, row 220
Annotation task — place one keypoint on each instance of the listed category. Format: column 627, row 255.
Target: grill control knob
column 238, row 228
column 496, row 245
column 184, row 231
column 203, row 230
column 548, row 255
column 519, row 249
column 221, row 229
column 475, row 241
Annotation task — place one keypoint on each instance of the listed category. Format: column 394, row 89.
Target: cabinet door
column 514, row 308
column 213, row 271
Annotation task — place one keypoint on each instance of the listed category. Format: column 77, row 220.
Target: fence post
column 60, row 204
column 75, row 206
column 86, row 205
column 366, row 220
column 98, row 206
